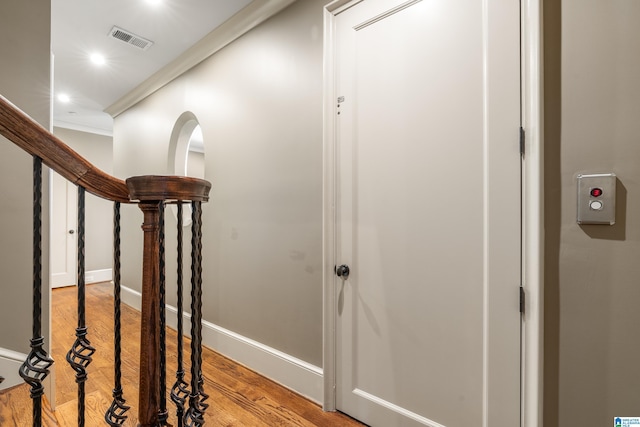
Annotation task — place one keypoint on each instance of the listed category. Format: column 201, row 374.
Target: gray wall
column 25, row 81
column 592, row 280
column 98, row 150
column 259, row 102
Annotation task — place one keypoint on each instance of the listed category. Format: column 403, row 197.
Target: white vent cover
column 130, row 38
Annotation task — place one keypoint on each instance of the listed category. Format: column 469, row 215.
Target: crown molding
column 248, row 18
column 82, row 128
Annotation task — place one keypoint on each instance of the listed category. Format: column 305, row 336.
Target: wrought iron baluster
column 180, row 391
column 195, row 414
column 203, row 395
column 115, row 415
column 36, row 368
column 79, row 356
column 162, row 413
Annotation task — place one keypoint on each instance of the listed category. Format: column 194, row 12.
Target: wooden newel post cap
column 168, row 188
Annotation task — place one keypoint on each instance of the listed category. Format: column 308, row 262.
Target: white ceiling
column 81, row 27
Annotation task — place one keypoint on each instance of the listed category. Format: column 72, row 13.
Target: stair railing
column 151, row 194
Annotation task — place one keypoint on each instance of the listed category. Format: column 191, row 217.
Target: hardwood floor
column 16, row 408
column 238, row 396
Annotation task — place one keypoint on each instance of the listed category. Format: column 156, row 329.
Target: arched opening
column 186, row 153
column 194, row 158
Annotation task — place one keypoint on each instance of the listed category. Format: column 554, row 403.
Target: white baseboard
column 10, row 362
column 131, row 297
column 61, row 280
column 96, row 276
column 293, row 373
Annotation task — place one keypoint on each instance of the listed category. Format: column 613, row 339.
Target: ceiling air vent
column 130, row 38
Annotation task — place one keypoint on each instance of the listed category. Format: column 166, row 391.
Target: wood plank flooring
column 16, row 408
column 238, row 396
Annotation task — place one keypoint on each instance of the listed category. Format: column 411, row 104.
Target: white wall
column 259, row 102
column 24, row 80
column 195, row 164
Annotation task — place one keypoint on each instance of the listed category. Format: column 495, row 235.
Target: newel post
column 149, row 388
column 153, row 192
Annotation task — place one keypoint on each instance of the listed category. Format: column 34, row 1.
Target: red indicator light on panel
column 596, row 192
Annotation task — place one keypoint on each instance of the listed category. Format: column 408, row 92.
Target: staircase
column 152, row 194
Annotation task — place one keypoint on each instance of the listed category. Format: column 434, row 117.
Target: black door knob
column 343, row 271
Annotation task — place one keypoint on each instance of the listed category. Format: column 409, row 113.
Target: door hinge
column 522, row 140
column 522, row 299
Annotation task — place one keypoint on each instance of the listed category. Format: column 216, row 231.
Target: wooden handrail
column 168, row 188
column 29, row 135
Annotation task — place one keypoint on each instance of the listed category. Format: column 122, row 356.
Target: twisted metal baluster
column 115, row 415
column 195, row 414
column 203, row 395
column 79, row 357
column 180, row 391
column 162, row 412
column 36, row 368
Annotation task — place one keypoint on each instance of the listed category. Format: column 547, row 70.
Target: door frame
column 532, row 208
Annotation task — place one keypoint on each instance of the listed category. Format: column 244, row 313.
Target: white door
column 63, row 231
column 428, row 212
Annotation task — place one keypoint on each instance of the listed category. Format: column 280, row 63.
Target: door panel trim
column 412, row 415
column 532, row 209
column 386, row 14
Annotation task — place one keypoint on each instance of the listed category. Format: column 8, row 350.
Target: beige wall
column 259, row 102
column 98, row 150
column 25, row 80
column 592, row 280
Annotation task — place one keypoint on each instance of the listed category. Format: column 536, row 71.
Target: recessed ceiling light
column 98, row 59
column 154, row 2
column 64, row 98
